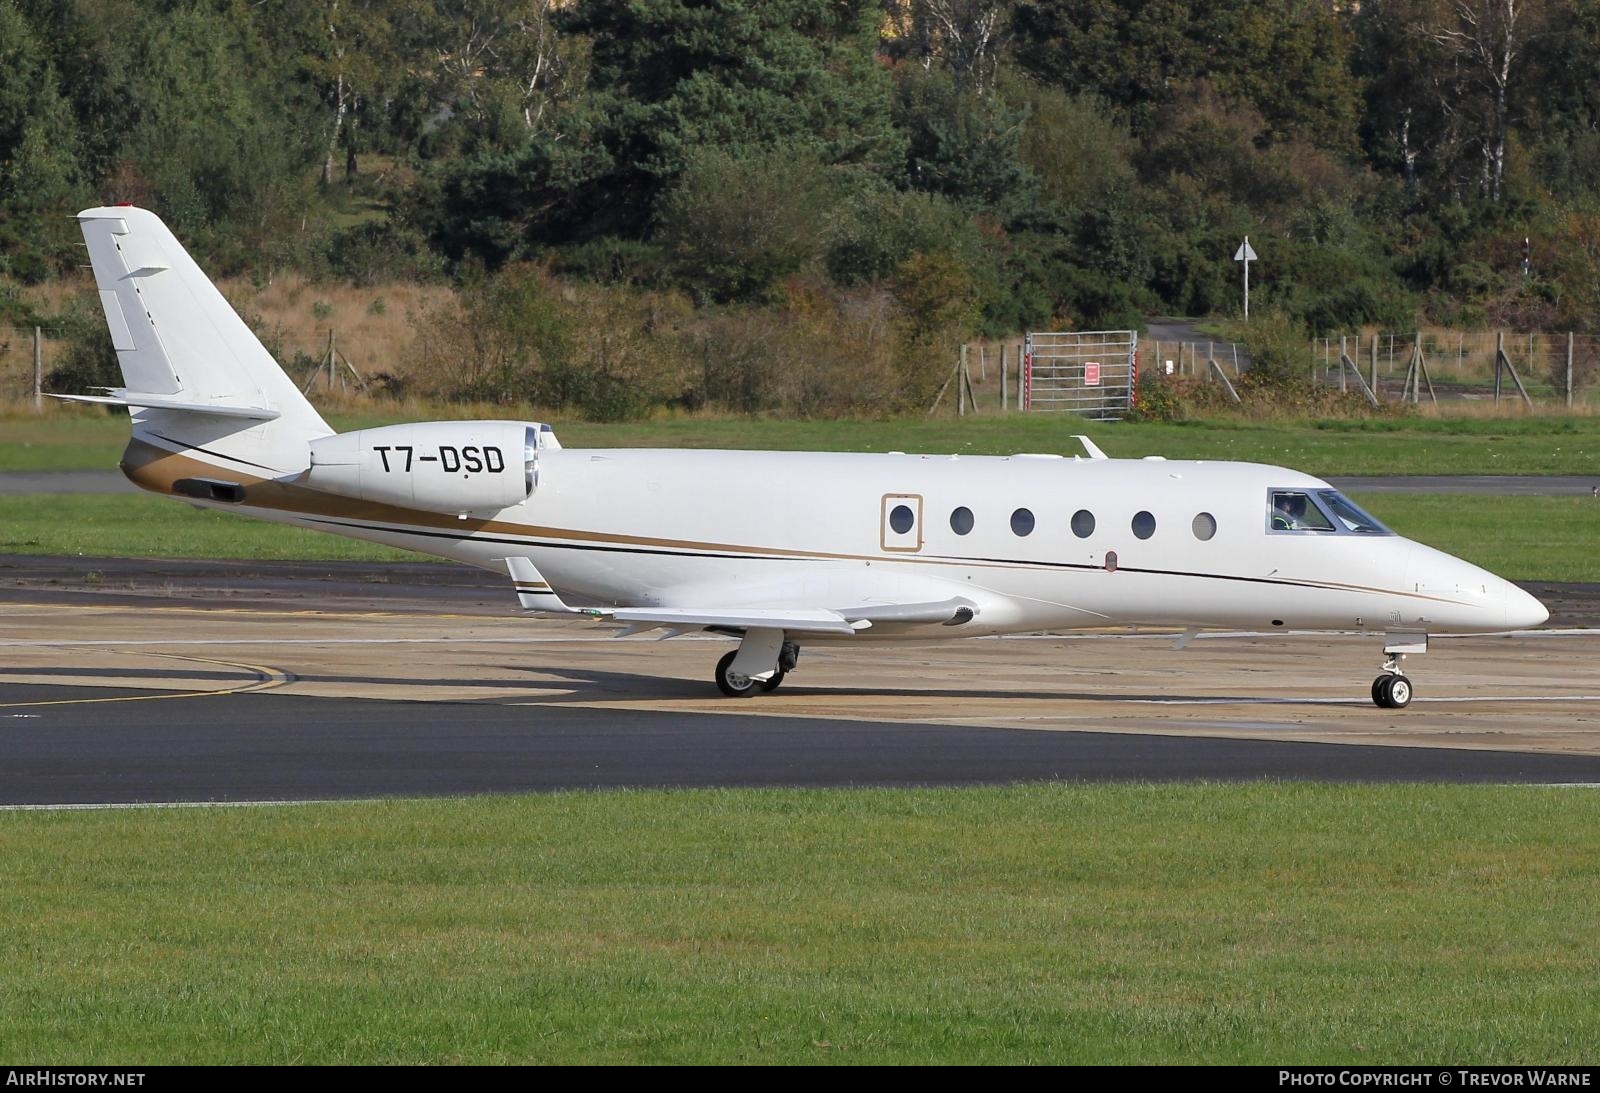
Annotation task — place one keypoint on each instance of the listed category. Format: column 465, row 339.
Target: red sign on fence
column 1091, row 373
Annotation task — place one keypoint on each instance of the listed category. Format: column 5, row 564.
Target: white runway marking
column 90, row 807
column 1361, row 701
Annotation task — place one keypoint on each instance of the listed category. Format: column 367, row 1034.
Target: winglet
column 1090, row 446
column 533, row 591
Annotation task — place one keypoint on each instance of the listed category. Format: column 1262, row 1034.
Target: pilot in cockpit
column 1293, row 510
column 1288, row 511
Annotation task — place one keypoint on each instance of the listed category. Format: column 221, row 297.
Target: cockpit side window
column 1350, row 516
column 1295, row 510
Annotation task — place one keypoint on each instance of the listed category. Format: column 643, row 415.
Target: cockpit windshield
column 1351, row 516
column 1294, row 510
column 1327, row 511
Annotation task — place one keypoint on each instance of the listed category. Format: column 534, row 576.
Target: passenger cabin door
column 900, row 522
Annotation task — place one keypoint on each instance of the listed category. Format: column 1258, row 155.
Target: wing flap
column 797, row 620
column 951, row 612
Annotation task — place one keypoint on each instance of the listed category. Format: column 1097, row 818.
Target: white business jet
column 777, row 549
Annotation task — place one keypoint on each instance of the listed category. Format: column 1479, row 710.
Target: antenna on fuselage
column 1090, row 446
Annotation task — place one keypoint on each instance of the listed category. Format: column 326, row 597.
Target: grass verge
column 147, row 526
column 1107, row 924
column 1519, row 538
column 72, row 440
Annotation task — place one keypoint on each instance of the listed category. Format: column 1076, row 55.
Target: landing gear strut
column 746, row 670
column 1392, row 690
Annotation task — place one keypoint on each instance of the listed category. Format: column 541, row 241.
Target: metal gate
column 1092, row 373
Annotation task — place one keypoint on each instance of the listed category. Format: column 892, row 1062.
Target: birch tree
column 1488, row 38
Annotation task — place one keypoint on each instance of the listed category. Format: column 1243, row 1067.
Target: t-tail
column 217, row 421
column 194, row 375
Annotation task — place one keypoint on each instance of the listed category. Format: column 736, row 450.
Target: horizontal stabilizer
column 134, row 399
column 800, row 620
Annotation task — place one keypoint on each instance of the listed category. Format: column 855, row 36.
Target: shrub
column 495, row 341
column 735, row 222
column 820, row 354
column 372, row 253
column 89, row 361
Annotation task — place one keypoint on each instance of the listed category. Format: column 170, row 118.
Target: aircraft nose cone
column 1523, row 611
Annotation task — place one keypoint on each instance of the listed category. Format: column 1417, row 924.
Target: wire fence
column 1554, row 370
column 27, row 355
column 1454, row 364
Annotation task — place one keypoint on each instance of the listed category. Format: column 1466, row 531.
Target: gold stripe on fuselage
column 154, row 468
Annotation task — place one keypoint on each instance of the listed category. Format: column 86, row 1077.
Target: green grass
column 1521, row 538
column 62, row 442
column 147, row 526
column 1531, row 445
column 1266, row 923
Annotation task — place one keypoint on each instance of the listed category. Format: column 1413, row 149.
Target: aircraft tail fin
column 182, row 348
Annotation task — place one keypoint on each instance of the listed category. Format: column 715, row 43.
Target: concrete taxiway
column 126, row 697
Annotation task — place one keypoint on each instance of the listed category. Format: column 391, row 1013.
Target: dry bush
column 496, row 340
column 606, row 352
column 374, row 325
column 629, row 352
column 819, row 354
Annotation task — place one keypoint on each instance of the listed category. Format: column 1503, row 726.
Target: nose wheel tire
column 1391, row 692
column 732, row 684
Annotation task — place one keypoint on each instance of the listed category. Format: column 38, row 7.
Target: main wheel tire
column 1379, row 687
column 734, row 686
column 1399, row 692
column 770, row 684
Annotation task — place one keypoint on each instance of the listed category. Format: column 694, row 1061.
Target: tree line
column 922, row 171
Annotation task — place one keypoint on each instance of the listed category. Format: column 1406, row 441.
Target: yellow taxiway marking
column 266, row 679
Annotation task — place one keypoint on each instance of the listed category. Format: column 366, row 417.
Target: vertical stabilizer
column 187, row 359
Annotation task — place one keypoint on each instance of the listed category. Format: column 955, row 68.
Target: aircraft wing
column 797, row 620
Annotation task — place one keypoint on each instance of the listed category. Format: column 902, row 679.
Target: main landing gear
column 760, row 663
column 1392, row 690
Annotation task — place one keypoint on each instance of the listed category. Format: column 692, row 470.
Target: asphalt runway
column 183, row 698
column 265, row 747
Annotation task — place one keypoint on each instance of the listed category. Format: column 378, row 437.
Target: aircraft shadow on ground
column 590, row 685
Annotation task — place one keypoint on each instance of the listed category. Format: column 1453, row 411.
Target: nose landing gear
column 1392, row 690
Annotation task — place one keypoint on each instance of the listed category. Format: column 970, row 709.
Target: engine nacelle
column 442, row 466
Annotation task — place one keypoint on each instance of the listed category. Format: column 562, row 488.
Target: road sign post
column 1246, row 255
